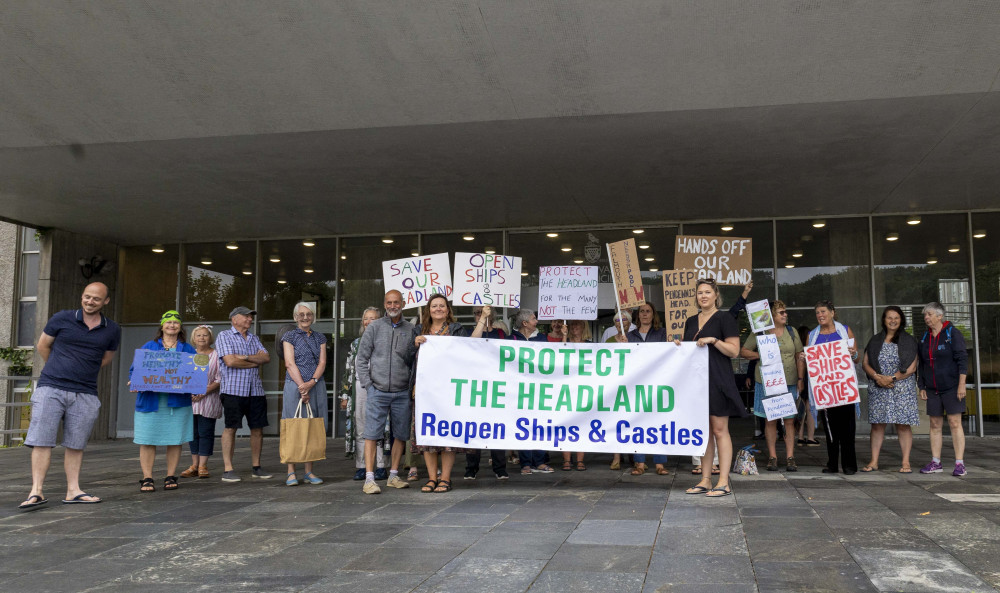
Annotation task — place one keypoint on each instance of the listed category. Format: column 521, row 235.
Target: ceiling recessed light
column 797, row 253
column 490, row 250
column 979, row 234
column 468, row 237
column 387, row 240
column 654, row 269
column 643, row 244
column 789, row 264
column 892, row 237
column 638, row 231
column 247, row 271
column 158, row 249
column 932, row 260
column 913, row 220
column 308, row 270
column 954, row 249
column 308, row 242
column 414, row 253
column 274, row 259
column 206, row 261
column 343, row 256
column 727, row 227
column 232, row 245
column 818, row 224
column 649, row 257
column 524, row 273
column 551, row 235
column 282, row 281
column 566, row 247
column 578, row 260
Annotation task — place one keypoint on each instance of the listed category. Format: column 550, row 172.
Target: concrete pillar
column 8, row 307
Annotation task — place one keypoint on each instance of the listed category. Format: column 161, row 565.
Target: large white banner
column 615, row 398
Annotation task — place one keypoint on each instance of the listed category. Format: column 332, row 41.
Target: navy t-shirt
column 77, row 351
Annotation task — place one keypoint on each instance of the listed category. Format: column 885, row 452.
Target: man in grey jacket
column 385, row 369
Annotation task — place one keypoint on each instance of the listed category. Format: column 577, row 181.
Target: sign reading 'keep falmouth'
column 621, row 398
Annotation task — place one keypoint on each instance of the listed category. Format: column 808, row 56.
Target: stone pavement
column 597, row 530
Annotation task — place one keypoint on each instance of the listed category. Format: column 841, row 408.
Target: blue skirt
column 759, row 394
column 165, row 426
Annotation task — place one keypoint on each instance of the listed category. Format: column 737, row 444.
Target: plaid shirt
column 243, row 382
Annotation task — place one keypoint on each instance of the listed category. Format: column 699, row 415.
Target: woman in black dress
column 717, row 331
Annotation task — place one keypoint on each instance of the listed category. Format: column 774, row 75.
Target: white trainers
column 395, row 481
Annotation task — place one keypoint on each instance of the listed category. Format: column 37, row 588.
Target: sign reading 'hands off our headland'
column 728, row 260
column 621, row 398
column 169, row 371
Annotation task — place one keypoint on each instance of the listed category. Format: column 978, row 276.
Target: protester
column 525, row 324
column 438, row 319
column 353, row 399
column 206, row 407
column 557, row 330
column 943, row 368
column 74, row 345
column 806, row 418
column 242, row 354
column 840, row 420
column 575, row 331
column 890, row 362
column 162, row 418
column 717, row 331
column 650, row 329
column 384, row 365
column 795, row 369
column 610, row 334
column 305, row 356
column 498, row 457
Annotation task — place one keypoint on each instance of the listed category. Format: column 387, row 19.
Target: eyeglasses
column 782, row 313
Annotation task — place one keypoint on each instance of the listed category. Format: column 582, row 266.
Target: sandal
column 615, row 465
column 715, row 470
column 639, row 469
column 696, row 490
column 430, row 486
column 203, row 472
column 869, row 468
column 696, row 470
column 567, row 466
column 443, row 486
column 526, row 471
column 170, row 483
column 190, row 472
column 662, row 471
column 412, row 476
column 904, row 470
column 147, row 485
column 725, row 490
column 580, row 467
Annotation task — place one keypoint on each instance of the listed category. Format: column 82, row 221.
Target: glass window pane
column 361, row 270
column 762, row 233
column 26, row 323
column 149, row 285
column 29, row 274
column 28, row 241
column 903, row 252
column 293, row 272
column 831, row 262
column 985, row 232
column 219, row 279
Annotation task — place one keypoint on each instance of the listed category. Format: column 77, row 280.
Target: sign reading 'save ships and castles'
column 625, row 270
column 728, row 260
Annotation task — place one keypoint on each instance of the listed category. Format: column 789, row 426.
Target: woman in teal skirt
column 161, row 418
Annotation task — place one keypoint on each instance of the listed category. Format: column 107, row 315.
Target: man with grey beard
column 384, row 366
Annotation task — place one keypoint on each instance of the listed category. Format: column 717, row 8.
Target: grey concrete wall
column 8, row 306
column 60, row 284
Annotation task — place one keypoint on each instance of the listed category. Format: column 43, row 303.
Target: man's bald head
column 95, row 296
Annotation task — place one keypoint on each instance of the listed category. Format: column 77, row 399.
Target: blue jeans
column 641, row 458
column 531, row 458
column 204, row 436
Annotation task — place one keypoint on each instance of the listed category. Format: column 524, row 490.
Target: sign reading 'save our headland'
column 728, row 260
column 169, row 371
column 418, row 278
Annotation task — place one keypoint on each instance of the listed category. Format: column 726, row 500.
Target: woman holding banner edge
column 649, row 329
column 575, row 331
column 841, row 422
column 717, row 331
column 795, row 369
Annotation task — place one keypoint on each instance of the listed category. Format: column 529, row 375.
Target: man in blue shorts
column 75, row 344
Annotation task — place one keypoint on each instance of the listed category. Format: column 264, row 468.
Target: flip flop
column 725, row 490
column 867, row 469
column 715, row 470
column 904, row 470
column 78, row 499
column 696, row 490
column 696, row 471
column 34, row 501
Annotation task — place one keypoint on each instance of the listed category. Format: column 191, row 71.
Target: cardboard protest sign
column 567, row 292
column 726, row 259
column 487, row 279
column 759, row 313
column 169, row 371
column 679, row 300
column 779, row 406
column 417, row 278
column 621, row 398
column 832, row 378
column 770, row 352
column 626, row 273
column 773, row 379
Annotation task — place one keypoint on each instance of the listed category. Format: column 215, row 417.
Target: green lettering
column 566, row 352
column 506, row 355
column 480, row 393
column 580, row 405
column 565, row 400
column 525, row 396
column 643, row 398
column 605, row 370
column 621, row 361
column 600, row 400
column 584, row 361
column 498, row 392
column 525, row 360
column 458, row 390
column 621, row 399
column 659, row 398
column 546, row 361
column 544, row 395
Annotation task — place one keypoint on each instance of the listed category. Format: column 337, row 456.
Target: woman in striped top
column 207, row 407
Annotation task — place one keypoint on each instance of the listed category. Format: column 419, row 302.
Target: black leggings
column 840, row 429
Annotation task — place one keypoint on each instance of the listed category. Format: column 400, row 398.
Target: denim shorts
column 397, row 406
column 49, row 406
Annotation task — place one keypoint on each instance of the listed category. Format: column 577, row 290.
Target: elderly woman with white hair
column 943, row 368
column 305, row 361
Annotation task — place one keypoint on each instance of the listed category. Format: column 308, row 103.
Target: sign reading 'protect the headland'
column 417, row 278
column 567, row 292
column 726, row 259
column 621, row 398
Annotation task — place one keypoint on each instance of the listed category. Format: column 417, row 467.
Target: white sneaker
column 371, row 488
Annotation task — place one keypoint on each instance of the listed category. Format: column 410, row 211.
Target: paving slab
column 918, row 571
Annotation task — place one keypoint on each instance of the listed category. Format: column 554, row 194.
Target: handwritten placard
column 832, row 378
column 759, row 313
column 417, row 278
column 773, row 378
column 169, row 371
column 679, row 300
column 726, row 259
column 567, row 292
column 487, row 279
column 770, row 352
column 779, row 406
column 626, row 272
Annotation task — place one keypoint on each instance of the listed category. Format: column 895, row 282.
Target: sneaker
column 360, row 474
column 933, row 467
column 230, row 476
column 371, row 488
column 790, row 465
column 503, row 476
column 397, row 482
column 959, row 469
column 469, row 475
column 772, row 464
column 261, row 474
column 381, row 473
